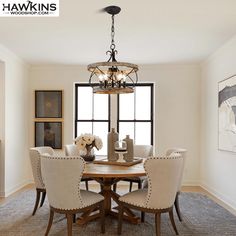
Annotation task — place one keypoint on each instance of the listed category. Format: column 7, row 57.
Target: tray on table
column 105, row 161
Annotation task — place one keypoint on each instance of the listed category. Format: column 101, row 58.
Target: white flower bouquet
column 86, row 142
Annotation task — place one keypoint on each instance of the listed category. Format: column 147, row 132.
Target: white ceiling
column 151, row 31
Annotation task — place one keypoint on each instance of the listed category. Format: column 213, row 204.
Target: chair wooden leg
column 50, row 222
column 36, row 201
column 142, row 216
column 173, row 221
column 74, row 218
column 158, row 224
column 130, row 186
column 101, row 188
column 43, row 198
column 120, row 219
column 102, row 213
column 177, row 207
column 69, row 224
column 140, row 184
column 114, row 187
column 86, row 185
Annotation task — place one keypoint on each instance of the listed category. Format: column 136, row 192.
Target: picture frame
column 48, row 103
column 227, row 114
column 48, row 133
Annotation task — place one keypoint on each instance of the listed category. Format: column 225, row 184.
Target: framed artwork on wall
column 48, row 134
column 48, row 104
column 227, row 114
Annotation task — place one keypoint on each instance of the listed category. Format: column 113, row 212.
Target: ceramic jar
column 112, row 137
column 129, row 156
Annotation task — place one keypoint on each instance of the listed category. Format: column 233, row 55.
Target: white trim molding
column 222, row 199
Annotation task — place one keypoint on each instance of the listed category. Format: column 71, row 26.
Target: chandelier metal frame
column 113, row 75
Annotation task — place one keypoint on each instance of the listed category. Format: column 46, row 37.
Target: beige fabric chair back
column 163, row 178
column 62, row 176
column 36, row 164
column 143, row 150
column 71, row 150
column 182, row 152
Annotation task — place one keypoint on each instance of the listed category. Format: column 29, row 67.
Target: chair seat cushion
column 89, row 198
column 136, row 198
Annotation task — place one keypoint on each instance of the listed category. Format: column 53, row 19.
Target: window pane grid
column 134, row 113
column 142, row 114
column 96, row 121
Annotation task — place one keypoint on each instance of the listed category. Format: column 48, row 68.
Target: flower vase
column 88, row 154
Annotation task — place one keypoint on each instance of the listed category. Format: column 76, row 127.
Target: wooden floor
column 124, row 187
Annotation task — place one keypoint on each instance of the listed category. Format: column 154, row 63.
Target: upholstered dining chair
column 72, row 150
column 143, row 151
column 182, row 152
column 163, row 175
column 36, row 169
column 62, row 176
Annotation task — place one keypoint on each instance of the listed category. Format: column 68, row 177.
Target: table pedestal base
column 109, row 195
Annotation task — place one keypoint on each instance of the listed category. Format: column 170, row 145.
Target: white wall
column 218, row 173
column 177, row 105
column 16, row 122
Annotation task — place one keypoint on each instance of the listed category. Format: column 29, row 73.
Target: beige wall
column 217, row 167
column 177, row 106
column 15, row 126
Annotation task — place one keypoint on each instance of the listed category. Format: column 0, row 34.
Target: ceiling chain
column 112, row 47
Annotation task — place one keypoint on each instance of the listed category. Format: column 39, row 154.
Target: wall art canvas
column 227, row 114
column 48, row 134
column 48, row 104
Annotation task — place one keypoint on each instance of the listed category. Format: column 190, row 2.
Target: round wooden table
column 107, row 175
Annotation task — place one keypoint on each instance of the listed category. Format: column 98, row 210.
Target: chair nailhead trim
column 39, row 175
column 177, row 156
column 79, row 181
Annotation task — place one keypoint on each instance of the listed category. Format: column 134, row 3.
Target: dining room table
column 107, row 174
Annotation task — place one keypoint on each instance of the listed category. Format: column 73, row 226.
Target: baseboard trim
column 16, row 188
column 222, row 199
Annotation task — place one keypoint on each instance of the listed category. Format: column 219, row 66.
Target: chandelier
column 114, row 77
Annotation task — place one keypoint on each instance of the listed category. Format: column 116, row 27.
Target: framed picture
column 227, row 114
column 48, row 104
column 48, row 134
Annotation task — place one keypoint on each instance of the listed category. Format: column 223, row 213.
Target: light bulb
column 120, row 76
column 105, row 76
column 100, row 77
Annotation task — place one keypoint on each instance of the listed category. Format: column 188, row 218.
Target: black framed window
column 135, row 114
column 92, row 113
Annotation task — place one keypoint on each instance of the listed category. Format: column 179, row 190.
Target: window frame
column 76, row 120
column 151, row 85
column 118, row 120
